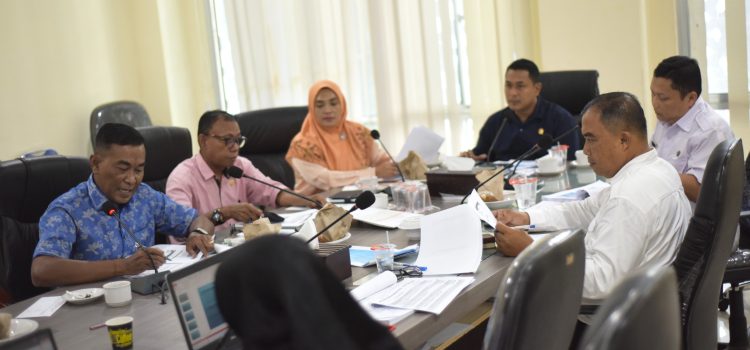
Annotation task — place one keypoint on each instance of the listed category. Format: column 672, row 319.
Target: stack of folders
column 576, row 194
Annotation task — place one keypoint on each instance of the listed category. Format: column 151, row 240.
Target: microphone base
column 336, row 257
column 451, row 182
column 148, row 284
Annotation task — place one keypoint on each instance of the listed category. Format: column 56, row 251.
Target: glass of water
column 525, row 188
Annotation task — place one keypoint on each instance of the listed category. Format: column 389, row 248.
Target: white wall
column 63, row 58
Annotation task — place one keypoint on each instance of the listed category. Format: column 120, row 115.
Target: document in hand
column 384, row 314
column 423, row 141
column 576, row 194
column 451, row 241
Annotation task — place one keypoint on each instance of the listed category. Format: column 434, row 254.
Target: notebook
column 193, row 295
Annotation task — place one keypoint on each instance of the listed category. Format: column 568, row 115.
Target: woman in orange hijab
column 330, row 151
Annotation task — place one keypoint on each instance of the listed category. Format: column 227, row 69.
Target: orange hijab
column 346, row 146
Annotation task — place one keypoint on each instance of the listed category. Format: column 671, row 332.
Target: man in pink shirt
column 199, row 182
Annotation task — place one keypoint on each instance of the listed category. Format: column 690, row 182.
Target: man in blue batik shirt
column 80, row 243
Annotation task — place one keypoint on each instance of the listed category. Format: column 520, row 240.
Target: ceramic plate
column 347, row 236
column 83, row 296
column 19, row 327
column 509, row 197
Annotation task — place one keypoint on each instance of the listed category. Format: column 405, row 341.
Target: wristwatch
column 217, row 217
column 199, row 231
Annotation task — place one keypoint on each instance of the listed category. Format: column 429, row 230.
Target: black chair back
column 121, row 112
column 745, row 218
column 702, row 257
column 571, row 89
column 642, row 312
column 269, row 133
column 537, row 303
column 26, row 189
column 166, row 147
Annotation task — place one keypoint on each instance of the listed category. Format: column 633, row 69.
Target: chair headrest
column 166, row 147
column 28, row 186
column 270, row 130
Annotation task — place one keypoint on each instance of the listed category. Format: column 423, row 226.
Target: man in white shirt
column 688, row 128
column 640, row 220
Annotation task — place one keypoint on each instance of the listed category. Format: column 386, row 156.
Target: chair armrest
column 588, row 309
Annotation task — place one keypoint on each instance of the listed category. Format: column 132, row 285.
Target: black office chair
column 537, row 304
column 738, row 273
column 40, row 339
column 269, row 133
column 703, row 255
column 642, row 312
column 121, row 112
column 26, row 189
column 571, row 90
column 166, row 147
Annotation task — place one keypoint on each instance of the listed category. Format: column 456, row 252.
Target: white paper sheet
column 429, row 294
column 385, row 314
column 480, row 207
column 44, row 307
column 382, row 217
column 423, row 141
column 178, row 258
column 451, row 242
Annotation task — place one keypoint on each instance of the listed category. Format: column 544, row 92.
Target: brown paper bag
column 413, row 167
column 493, row 190
column 260, row 227
column 5, row 319
column 326, row 216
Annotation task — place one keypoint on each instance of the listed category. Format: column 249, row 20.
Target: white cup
column 548, row 164
column 381, row 201
column 581, row 158
column 117, row 293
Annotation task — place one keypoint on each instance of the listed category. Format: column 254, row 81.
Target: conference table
column 156, row 326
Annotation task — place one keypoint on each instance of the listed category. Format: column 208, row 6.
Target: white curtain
column 394, row 60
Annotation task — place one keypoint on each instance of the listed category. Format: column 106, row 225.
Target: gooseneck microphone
column 363, row 201
column 544, row 143
column 237, row 173
column 494, row 141
column 376, row 135
column 111, row 209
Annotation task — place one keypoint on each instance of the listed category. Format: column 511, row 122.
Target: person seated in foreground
column 640, row 220
column 688, row 129
column 330, row 151
column 276, row 294
column 80, row 243
column 199, row 182
column 528, row 115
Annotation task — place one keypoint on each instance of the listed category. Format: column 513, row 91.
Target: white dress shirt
column 687, row 143
column 640, row 220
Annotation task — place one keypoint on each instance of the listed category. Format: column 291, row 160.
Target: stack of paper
column 384, row 314
column 576, row 194
column 382, row 217
column 177, row 258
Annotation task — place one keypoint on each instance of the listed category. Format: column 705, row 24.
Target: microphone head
column 375, row 134
column 109, row 208
column 364, row 200
column 545, row 142
column 233, row 171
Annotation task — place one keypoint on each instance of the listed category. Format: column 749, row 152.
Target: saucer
column 19, row 327
column 347, row 236
column 550, row 173
column 575, row 164
column 83, row 296
column 509, row 197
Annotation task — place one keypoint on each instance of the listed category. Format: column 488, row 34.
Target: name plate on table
column 336, row 257
column 451, row 182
